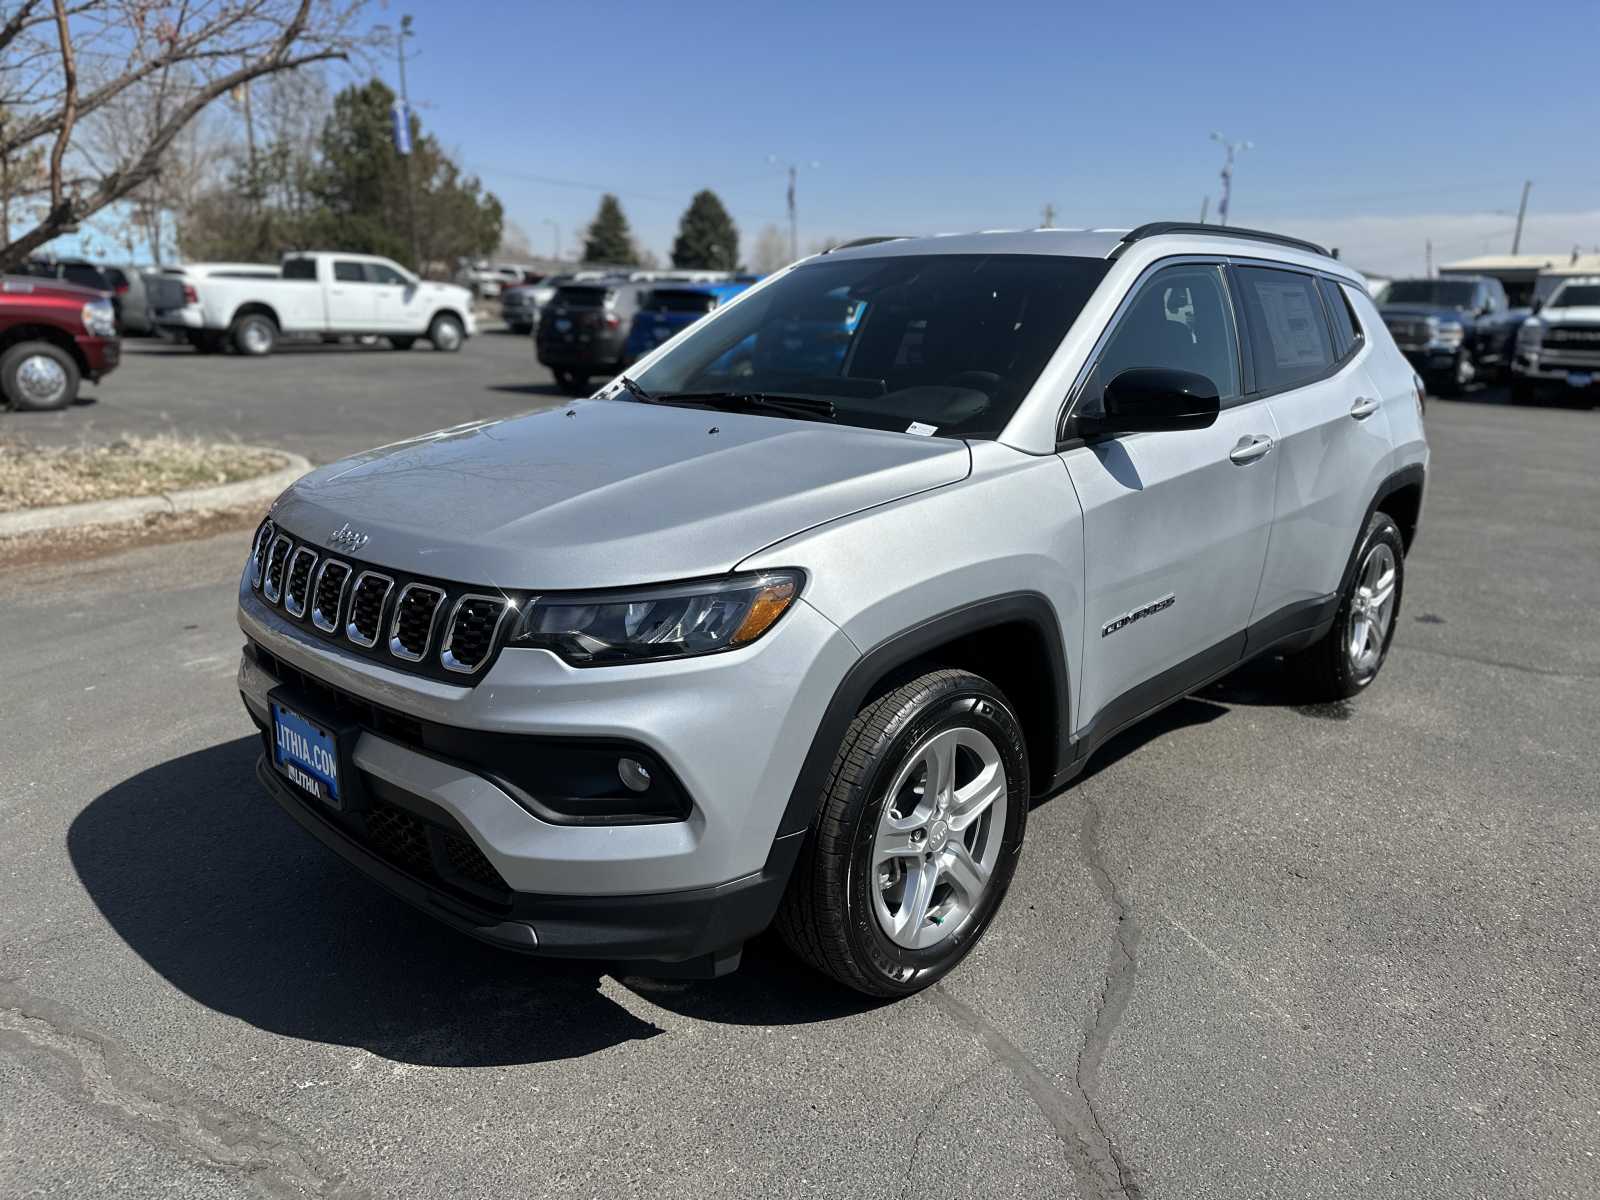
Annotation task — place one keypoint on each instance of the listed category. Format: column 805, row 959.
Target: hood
column 1586, row 314
column 1444, row 312
column 49, row 288
column 606, row 493
column 451, row 289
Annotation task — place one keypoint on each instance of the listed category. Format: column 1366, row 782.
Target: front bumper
column 1432, row 358
column 101, row 354
column 180, row 320
column 732, row 728
column 1536, row 366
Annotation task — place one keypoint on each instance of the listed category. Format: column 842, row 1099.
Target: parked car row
column 600, row 326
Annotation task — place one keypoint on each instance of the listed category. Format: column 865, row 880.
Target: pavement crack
column 1098, row 1175
column 1115, row 991
column 88, row 1068
column 927, row 1123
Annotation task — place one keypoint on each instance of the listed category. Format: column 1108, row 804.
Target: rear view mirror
column 1153, row 399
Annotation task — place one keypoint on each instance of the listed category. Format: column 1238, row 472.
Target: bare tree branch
column 69, row 110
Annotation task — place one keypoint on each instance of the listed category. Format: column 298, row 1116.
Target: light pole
column 556, row 226
column 794, row 221
column 403, row 140
column 1227, row 172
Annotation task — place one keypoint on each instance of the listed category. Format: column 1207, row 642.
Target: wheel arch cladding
column 1400, row 497
column 256, row 308
column 53, row 334
column 1014, row 641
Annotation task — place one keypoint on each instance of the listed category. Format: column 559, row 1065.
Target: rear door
column 352, row 307
column 1308, row 354
column 1175, row 523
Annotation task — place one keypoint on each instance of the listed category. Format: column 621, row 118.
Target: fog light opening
column 634, row 774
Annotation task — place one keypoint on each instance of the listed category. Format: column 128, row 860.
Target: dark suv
column 583, row 331
column 1453, row 329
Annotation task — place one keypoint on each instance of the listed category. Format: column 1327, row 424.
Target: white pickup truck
column 319, row 294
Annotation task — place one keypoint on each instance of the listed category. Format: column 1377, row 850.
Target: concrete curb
column 261, row 490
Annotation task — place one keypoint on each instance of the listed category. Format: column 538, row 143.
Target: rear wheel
column 1454, row 381
column 446, row 333
column 1350, row 656
column 917, row 836
column 205, row 341
column 1523, row 391
column 255, row 334
column 402, row 343
column 39, row 375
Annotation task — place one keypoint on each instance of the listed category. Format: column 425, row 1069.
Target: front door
column 1175, row 524
column 351, row 305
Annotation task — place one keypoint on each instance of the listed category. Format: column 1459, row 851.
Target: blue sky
column 1374, row 124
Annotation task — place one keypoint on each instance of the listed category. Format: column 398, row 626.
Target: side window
column 383, row 273
column 349, row 272
column 1290, row 342
column 1180, row 319
column 1347, row 335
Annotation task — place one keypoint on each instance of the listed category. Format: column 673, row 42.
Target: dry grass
column 55, row 547
column 36, row 477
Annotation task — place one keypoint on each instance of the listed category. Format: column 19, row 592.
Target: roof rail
column 868, row 241
column 1157, row 228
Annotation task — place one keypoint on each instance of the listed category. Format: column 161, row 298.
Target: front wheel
column 446, row 333
column 1351, row 654
column 917, row 837
column 1523, row 390
column 39, row 375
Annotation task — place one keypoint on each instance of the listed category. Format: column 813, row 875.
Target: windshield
column 947, row 341
column 1576, row 295
column 1445, row 293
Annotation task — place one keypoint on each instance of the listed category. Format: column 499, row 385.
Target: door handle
column 1251, row 448
column 1363, row 408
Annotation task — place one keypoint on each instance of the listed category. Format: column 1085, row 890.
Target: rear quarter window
column 582, row 297
column 300, row 268
column 1290, row 342
column 1347, row 333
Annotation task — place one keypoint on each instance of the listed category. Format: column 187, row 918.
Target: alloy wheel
column 939, row 837
column 1372, row 610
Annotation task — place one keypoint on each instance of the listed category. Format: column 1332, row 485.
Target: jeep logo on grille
column 347, row 539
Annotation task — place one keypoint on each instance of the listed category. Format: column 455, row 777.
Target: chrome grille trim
column 350, row 630
column 272, row 592
column 258, row 552
column 323, row 621
column 396, row 648
column 297, row 608
column 448, row 660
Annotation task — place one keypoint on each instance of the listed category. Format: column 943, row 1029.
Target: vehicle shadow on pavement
column 231, row 902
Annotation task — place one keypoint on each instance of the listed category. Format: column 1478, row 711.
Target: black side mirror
column 1153, row 399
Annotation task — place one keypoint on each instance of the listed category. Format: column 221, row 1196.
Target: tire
column 1523, row 391
column 446, row 333
column 402, row 343
column 205, row 341
column 577, row 384
column 1339, row 666
column 254, row 335
column 39, row 376
column 845, row 902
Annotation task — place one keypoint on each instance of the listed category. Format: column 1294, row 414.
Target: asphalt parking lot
column 1257, row 950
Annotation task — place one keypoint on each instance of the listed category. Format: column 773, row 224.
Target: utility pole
column 1427, row 250
column 1049, row 217
column 1205, row 207
column 794, row 220
column 1522, row 211
column 403, row 140
column 1229, row 148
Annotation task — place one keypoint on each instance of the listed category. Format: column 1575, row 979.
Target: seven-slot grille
column 426, row 626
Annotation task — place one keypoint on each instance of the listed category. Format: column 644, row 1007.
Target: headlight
column 1530, row 335
column 1449, row 333
column 100, row 319
column 674, row 621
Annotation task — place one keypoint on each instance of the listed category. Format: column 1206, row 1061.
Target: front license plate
column 1580, row 379
column 306, row 754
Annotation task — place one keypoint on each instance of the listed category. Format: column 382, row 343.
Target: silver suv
column 790, row 626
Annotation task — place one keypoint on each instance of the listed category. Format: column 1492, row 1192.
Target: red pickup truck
column 52, row 336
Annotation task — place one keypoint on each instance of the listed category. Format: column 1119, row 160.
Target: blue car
column 670, row 307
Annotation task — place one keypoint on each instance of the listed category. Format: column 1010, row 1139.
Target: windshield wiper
column 809, row 407
column 637, row 392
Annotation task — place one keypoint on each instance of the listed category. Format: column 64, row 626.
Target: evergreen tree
column 609, row 240
column 707, row 237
